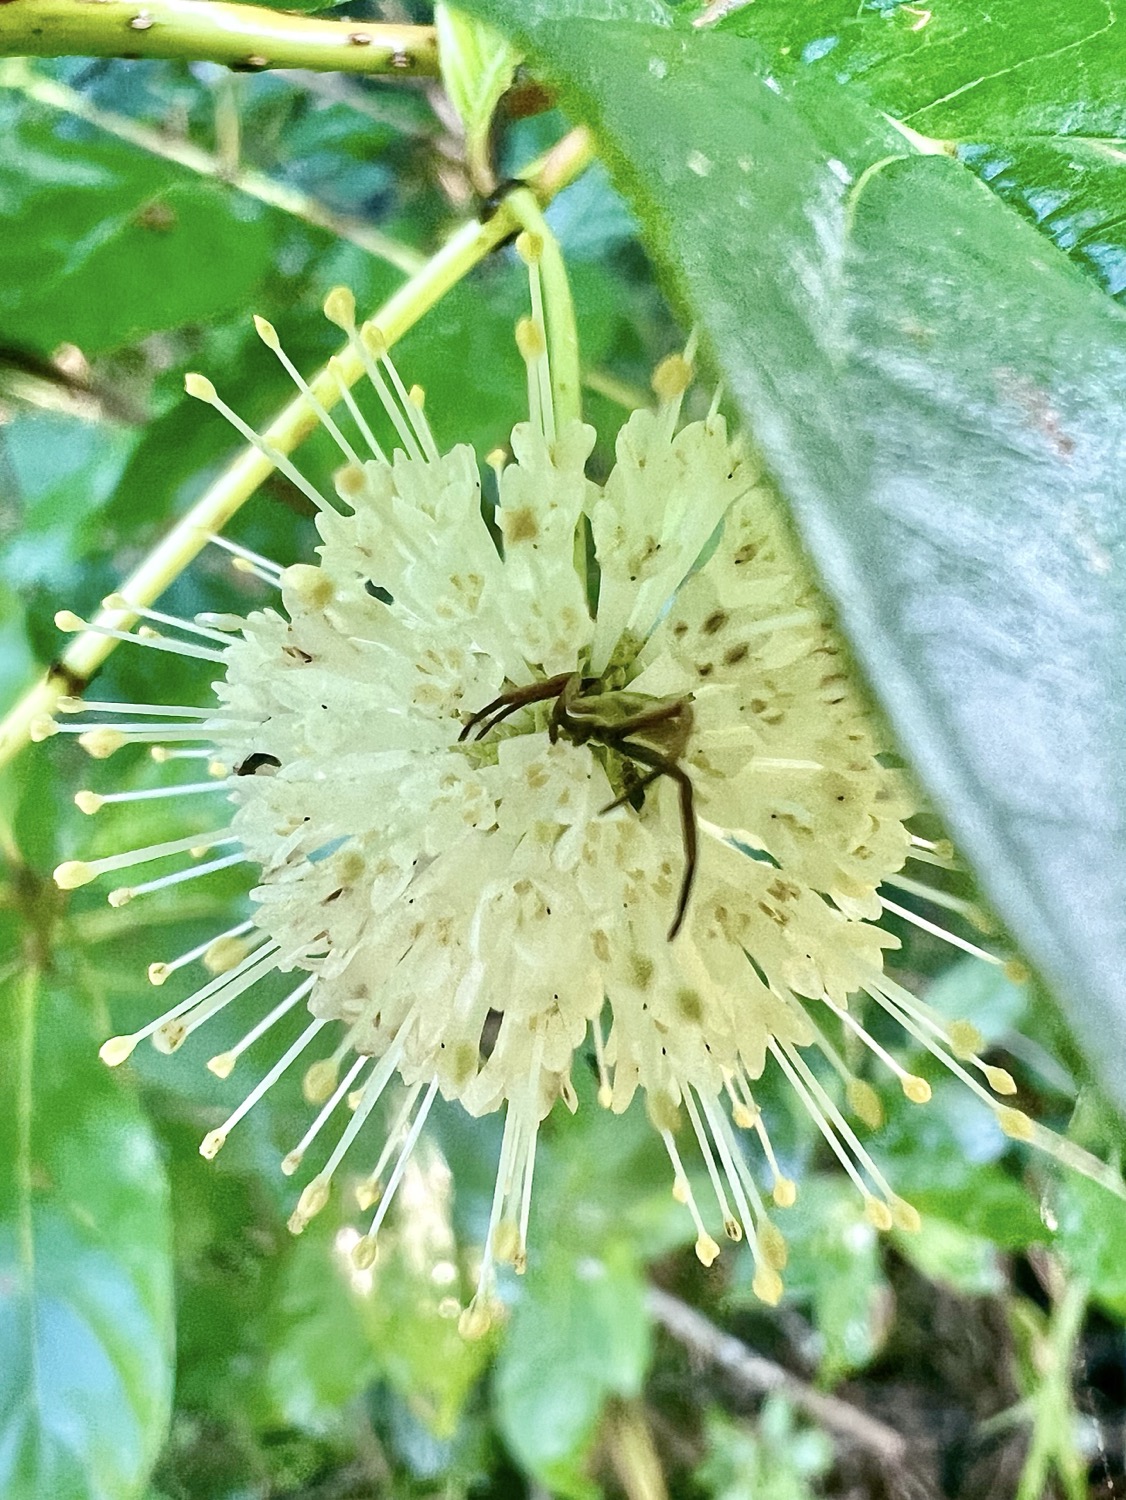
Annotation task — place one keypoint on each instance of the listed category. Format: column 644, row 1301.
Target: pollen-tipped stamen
column 161, row 971
column 223, row 1062
column 294, row 1158
column 203, row 390
column 214, row 1140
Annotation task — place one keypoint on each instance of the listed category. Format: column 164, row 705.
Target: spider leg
column 663, row 765
column 509, row 702
column 639, row 786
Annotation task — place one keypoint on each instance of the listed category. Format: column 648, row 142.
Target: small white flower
column 492, row 792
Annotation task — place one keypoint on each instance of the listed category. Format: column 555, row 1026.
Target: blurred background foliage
column 162, row 1336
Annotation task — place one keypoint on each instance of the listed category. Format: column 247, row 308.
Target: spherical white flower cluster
column 556, row 764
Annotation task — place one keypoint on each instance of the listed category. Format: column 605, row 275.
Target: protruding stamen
column 223, row 1062
column 353, row 407
column 404, row 1156
column 203, row 390
column 92, row 802
column 75, row 872
column 244, row 554
column 120, row 605
column 730, row 1223
column 159, row 972
column 371, row 1189
column 918, row 1090
column 940, row 932
column 294, row 1158
column 706, row 1247
column 269, row 336
column 215, row 1139
column 124, row 894
column 372, row 346
column 67, row 620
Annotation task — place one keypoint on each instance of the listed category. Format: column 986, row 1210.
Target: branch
column 246, row 37
column 757, row 1376
column 211, row 512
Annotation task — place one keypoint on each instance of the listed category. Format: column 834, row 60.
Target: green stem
column 18, row 76
column 562, row 333
column 247, row 37
column 238, row 482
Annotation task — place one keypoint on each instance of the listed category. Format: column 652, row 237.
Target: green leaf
column 104, row 243
column 579, row 1334
column 85, row 1289
column 1031, row 88
column 961, row 69
column 942, row 401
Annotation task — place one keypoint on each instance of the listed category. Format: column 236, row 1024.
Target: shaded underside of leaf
column 941, row 399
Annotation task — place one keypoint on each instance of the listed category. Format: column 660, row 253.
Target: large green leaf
column 85, row 1287
column 942, row 400
column 103, row 243
column 1030, row 89
column 966, row 68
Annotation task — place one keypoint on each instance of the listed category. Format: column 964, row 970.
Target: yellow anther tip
column 475, row 1320
column 291, row 1161
column 906, row 1216
column 221, row 1064
column 115, row 1051
column 865, row 1103
column 319, row 1081
column 1000, row 1080
column 170, row 1037
column 224, row 954
column 878, row 1214
column 375, row 340
column 530, row 340
column 680, row 1190
column 116, row 602
column 706, row 1250
column 772, row 1243
column 200, row 387
column 122, row 896
column 918, row 1090
column 506, row 1242
column 767, row 1286
column 267, row 332
column 368, row 1194
column 66, row 619
column 88, row 802
column 72, row 873
column 1015, row 1123
column 529, row 247
column 966, row 1041
column 733, row 1230
column 100, row 744
column 69, row 705
column 606, row 1096
column 1017, row 971
column 313, row 1199
column 340, row 307
column 364, row 1252
column 211, row 1144
column 672, row 377
column 785, row 1192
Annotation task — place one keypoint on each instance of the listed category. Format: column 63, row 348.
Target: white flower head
column 554, row 766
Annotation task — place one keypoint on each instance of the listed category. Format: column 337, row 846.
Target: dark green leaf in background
column 85, row 1283
column 942, row 401
column 103, row 243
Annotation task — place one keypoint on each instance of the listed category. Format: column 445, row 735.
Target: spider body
column 643, row 731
